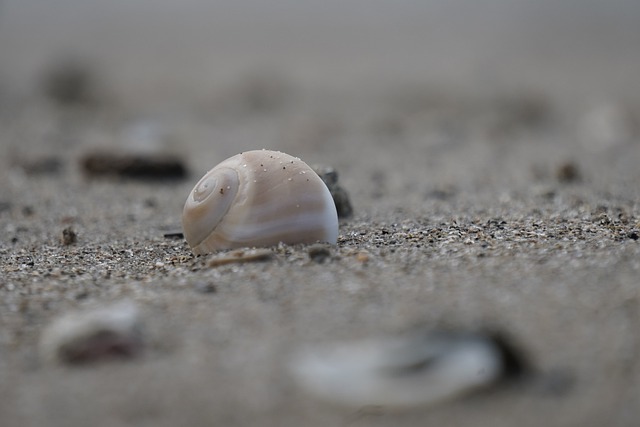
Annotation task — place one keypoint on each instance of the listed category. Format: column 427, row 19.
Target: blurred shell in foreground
column 102, row 333
column 402, row 371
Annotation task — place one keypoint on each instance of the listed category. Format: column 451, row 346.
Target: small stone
column 568, row 172
column 633, row 235
column 92, row 335
column 133, row 166
column 69, row 237
column 319, row 252
column 340, row 196
column 174, row 235
column 240, row 256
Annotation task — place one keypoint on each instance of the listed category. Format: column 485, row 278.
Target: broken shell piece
column 240, row 256
column 88, row 336
column 402, row 372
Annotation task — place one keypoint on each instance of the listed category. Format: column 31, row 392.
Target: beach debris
column 133, row 165
column 174, row 235
column 319, row 252
column 568, row 172
column 405, row 371
column 240, row 256
column 340, row 196
column 258, row 198
column 69, row 236
column 91, row 335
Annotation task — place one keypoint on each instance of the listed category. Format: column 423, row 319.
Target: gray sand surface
column 503, row 208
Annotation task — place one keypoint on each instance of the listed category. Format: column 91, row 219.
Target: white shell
column 259, row 198
column 93, row 334
column 398, row 372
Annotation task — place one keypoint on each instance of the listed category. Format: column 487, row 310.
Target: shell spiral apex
column 259, row 198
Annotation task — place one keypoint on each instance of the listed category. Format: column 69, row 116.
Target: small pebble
column 568, row 172
column 340, row 196
column 92, row 335
column 319, row 252
column 174, row 235
column 240, row 256
column 69, row 237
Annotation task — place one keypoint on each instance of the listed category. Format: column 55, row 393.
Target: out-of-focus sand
column 452, row 126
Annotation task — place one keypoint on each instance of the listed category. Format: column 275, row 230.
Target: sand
column 503, row 209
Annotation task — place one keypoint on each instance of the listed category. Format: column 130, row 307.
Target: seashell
column 94, row 334
column 403, row 371
column 259, row 198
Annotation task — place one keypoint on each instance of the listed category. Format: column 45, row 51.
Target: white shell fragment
column 259, row 198
column 239, row 256
column 91, row 335
column 399, row 372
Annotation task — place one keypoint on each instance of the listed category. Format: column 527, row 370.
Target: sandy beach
column 493, row 179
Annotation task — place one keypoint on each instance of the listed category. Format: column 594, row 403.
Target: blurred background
column 517, row 119
column 146, row 52
column 323, row 79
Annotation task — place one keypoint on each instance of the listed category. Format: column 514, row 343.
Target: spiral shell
column 259, row 198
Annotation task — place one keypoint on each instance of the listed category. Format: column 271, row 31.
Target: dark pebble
column 633, row 235
column 174, row 235
column 319, row 253
column 340, row 196
column 568, row 172
column 133, row 166
column 69, row 237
